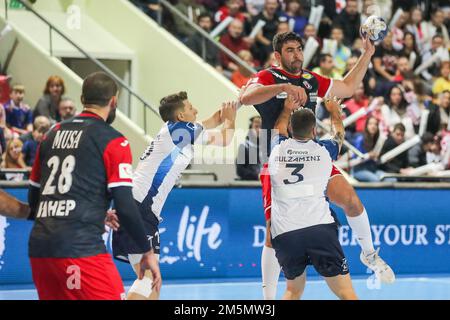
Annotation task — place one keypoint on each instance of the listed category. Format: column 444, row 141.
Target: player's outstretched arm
column 333, row 106
column 224, row 136
column 282, row 123
column 10, row 207
column 346, row 87
column 214, row 121
column 256, row 93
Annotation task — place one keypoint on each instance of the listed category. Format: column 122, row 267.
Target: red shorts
column 266, row 188
column 89, row 278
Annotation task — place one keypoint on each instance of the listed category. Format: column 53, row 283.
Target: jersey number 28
column 64, row 179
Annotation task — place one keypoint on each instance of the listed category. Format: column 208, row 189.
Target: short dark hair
column 427, row 137
column 324, row 56
column 399, row 126
column 203, row 15
column 281, row 38
column 168, row 106
column 98, row 89
column 302, row 122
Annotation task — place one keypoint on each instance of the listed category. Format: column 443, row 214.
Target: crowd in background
column 409, row 74
column 397, row 88
column 23, row 127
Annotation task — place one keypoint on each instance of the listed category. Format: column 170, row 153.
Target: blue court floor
column 405, row 288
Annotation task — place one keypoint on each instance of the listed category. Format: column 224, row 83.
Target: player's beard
column 111, row 116
column 294, row 67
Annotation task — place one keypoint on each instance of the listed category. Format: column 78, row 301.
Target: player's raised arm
column 346, row 87
column 224, row 136
column 337, row 126
column 214, row 121
column 282, row 123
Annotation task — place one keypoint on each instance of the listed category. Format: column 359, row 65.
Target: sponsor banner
column 219, row 232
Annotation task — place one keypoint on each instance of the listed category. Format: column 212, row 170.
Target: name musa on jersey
column 68, row 139
column 299, row 173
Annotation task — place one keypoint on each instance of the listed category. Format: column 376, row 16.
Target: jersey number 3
column 295, row 173
column 65, row 178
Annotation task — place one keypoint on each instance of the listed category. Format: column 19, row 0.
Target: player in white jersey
column 303, row 228
column 160, row 167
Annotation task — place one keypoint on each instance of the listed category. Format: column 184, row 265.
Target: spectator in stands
column 191, row 9
column 283, row 26
column 403, row 70
column 349, row 20
column 365, row 142
column 343, row 53
column 249, row 160
column 39, row 122
column 30, row 146
column 265, row 36
column 295, row 16
column 67, row 108
column 196, row 43
column 437, row 45
column 242, row 75
column 358, row 101
column 232, row 8
column 235, row 41
column 397, row 31
column 398, row 164
column 384, row 63
column 19, row 117
column 310, row 31
column 49, row 102
column 437, row 26
column 395, row 111
column 444, row 107
column 419, row 100
column 326, row 67
column 417, row 155
column 443, row 82
column 411, row 51
column 13, row 158
column 416, row 27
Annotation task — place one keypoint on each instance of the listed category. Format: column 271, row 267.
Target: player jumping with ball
column 267, row 91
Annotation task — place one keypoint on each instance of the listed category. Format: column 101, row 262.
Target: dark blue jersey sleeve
column 184, row 133
column 332, row 147
column 277, row 139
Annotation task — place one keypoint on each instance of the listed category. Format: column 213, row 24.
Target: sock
column 361, row 227
column 270, row 273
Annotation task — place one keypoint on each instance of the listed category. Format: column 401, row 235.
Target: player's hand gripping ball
column 375, row 28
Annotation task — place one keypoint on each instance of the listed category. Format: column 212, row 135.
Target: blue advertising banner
column 219, row 232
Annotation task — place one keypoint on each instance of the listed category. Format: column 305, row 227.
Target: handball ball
column 375, row 28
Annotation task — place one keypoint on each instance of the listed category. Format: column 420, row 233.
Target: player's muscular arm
column 337, row 126
column 346, row 87
column 257, row 93
column 225, row 135
column 214, row 121
column 10, row 207
column 283, row 120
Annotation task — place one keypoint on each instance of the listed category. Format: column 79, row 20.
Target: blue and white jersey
column 299, row 173
column 163, row 162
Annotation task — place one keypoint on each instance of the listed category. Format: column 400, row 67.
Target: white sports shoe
column 377, row 265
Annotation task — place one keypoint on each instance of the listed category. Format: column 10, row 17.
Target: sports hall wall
column 219, row 232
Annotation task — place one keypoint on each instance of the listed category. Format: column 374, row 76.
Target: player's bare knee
column 352, row 204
